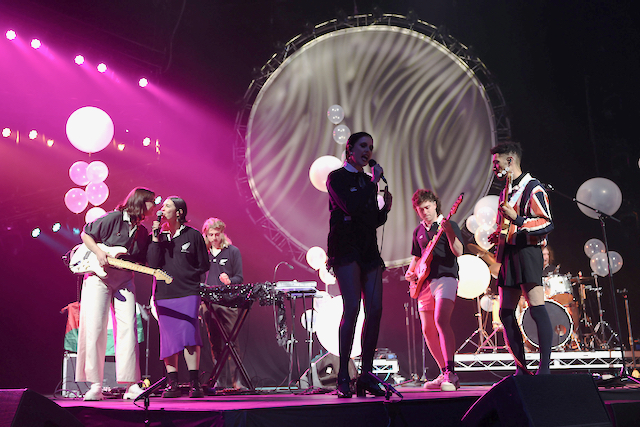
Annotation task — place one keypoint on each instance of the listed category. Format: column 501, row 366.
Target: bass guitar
column 423, row 266
column 502, row 221
column 82, row 260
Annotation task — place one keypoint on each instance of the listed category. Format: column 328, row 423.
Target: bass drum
column 561, row 324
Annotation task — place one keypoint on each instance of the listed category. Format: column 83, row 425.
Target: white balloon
column 599, row 193
column 320, row 170
column 328, row 323
column 335, row 114
column 97, row 193
column 593, row 246
column 93, row 214
column 89, row 129
column 97, row 171
column 615, row 259
column 486, row 303
column 482, row 237
column 78, row 173
column 474, row 276
column 599, row 264
column 472, row 224
column 487, row 201
column 341, row 134
column 308, row 320
column 485, row 216
column 316, row 257
column 326, row 277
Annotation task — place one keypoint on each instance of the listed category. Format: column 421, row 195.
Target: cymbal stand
column 485, row 341
column 602, row 326
column 625, row 295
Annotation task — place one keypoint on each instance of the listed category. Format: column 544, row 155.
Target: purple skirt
column 179, row 325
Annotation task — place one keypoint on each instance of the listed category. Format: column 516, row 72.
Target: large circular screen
column 429, row 115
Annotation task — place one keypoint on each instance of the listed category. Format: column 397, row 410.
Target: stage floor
column 269, row 407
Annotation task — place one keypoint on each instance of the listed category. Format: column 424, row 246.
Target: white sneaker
column 434, row 384
column 133, row 391
column 451, row 382
column 94, row 393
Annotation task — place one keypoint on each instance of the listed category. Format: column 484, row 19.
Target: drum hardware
column 561, row 324
column 602, row 327
column 486, row 341
column 625, row 295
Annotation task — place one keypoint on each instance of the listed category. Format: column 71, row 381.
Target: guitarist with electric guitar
column 433, row 278
column 110, row 291
column 524, row 220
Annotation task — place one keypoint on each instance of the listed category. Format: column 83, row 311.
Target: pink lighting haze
column 79, row 59
column 102, row 67
column 143, row 82
column 11, row 35
column 35, row 43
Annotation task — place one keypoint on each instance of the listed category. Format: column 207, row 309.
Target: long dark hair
column 135, row 203
column 352, row 141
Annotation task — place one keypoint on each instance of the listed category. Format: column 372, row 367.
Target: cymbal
column 482, row 253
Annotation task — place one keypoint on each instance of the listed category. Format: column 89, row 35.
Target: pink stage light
column 35, row 43
column 79, row 59
column 146, row 141
column 33, row 134
column 102, row 67
column 6, row 132
column 50, row 142
column 143, row 82
column 120, row 147
column 11, row 35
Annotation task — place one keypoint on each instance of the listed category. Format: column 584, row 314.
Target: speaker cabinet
column 27, row 408
column 536, row 401
column 324, row 372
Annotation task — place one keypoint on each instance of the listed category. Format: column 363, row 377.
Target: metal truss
column 570, row 360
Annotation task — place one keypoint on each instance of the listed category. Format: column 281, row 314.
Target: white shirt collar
column 348, row 166
column 437, row 221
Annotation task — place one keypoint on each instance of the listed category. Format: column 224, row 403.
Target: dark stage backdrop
column 566, row 69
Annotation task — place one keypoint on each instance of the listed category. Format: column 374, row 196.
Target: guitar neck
column 128, row 265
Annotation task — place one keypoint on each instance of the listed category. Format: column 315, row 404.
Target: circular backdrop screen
column 429, row 116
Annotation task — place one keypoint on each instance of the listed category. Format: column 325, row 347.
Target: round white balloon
column 487, row 201
column 599, row 264
column 326, row 277
column 93, row 214
column 316, row 257
column 78, row 173
column 615, row 259
column 593, row 246
column 89, row 129
column 485, row 216
column 472, row 224
column 601, row 194
column 474, row 276
column 341, row 134
column 327, row 326
column 320, row 170
column 97, row 171
column 335, row 114
column 482, row 236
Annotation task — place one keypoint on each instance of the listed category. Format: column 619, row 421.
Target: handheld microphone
column 156, row 232
column 372, row 163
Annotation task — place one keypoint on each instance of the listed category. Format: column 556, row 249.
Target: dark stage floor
column 419, row 407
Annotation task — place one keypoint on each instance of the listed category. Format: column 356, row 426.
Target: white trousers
column 115, row 296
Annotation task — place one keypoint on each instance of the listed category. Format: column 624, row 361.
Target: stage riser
column 624, row 414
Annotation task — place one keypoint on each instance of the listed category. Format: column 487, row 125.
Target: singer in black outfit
column 355, row 258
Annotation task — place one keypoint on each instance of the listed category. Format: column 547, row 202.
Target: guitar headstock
column 161, row 275
column 454, row 208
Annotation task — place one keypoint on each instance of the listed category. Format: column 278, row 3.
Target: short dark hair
column 180, row 204
column 353, row 139
column 508, row 147
column 421, row 195
column 135, row 203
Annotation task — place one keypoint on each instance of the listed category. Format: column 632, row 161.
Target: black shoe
column 172, row 390
column 367, row 382
column 195, row 390
column 344, row 388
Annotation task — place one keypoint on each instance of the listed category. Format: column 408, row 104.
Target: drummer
column 548, row 261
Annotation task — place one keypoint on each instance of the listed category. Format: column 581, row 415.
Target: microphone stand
column 602, row 216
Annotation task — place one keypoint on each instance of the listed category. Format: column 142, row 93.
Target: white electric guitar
column 82, row 260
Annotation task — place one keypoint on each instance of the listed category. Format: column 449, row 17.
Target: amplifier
column 71, row 388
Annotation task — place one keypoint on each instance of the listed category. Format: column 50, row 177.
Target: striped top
column 530, row 201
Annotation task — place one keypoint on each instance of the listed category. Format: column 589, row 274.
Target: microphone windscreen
column 372, row 163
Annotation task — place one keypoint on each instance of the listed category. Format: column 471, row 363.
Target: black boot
column 172, row 390
column 195, row 390
column 367, row 382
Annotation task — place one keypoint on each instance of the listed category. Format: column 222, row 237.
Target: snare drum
column 561, row 324
column 558, row 288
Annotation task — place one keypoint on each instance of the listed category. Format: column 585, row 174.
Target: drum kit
column 570, row 307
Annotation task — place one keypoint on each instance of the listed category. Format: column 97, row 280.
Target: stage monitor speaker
column 324, row 372
column 536, row 401
column 27, row 408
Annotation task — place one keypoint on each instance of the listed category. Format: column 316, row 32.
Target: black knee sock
column 193, row 375
column 513, row 336
column 540, row 315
